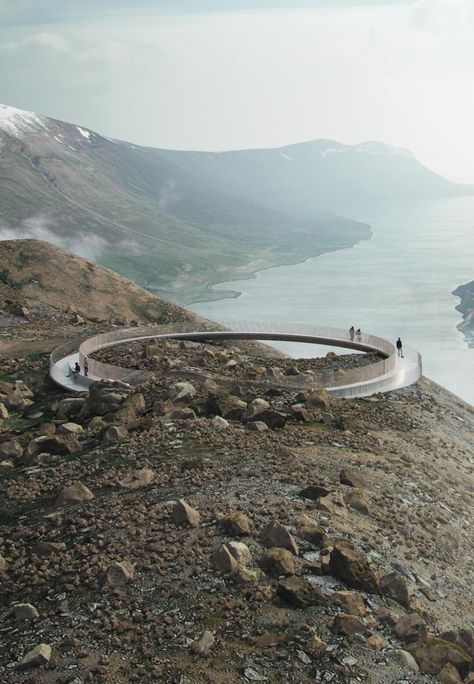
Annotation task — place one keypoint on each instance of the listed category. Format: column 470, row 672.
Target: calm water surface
column 397, row 283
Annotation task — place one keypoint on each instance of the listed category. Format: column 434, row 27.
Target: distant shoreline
column 251, row 275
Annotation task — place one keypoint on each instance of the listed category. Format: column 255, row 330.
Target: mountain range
column 177, row 221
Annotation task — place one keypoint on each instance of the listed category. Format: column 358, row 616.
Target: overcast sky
column 226, row 74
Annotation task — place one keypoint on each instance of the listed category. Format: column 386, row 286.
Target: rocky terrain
column 466, row 307
column 185, row 532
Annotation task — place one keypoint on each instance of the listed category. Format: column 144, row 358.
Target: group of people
column 358, row 335
column 77, row 369
column 355, row 333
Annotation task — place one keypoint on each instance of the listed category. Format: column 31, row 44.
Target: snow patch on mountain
column 85, row 134
column 372, row 147
column 17, row 121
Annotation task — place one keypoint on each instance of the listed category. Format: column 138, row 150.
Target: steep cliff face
column 466, row 307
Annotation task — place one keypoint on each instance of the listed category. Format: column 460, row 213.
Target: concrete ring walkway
column 389, row 373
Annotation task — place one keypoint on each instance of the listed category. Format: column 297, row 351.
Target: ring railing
column 305, row 334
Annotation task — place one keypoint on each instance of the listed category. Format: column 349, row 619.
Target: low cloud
column 85, row 245
column 53, row 41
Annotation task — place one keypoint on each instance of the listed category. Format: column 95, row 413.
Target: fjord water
column 398, row 283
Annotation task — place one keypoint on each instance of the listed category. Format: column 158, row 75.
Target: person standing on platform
column 399, row 347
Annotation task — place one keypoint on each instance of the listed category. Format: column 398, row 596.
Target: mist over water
column 398, row 283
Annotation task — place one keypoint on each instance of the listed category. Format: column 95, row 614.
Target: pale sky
column 228, row 74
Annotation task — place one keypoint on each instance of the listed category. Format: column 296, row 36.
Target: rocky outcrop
column 466, row 308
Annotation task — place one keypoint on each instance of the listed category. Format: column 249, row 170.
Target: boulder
column 358, row 499
column 254, row 408
column 3, row 565
column 184, row 513
column 240, row 551
column 299, row 592
column 114, row 434
column 350, row 601
column 45, row 548
column 316, row 646
column 223, row 561
column 449, row 675
column 138, row 479
column 220, row 423
column 70, row 429
column 352, row 567
column 349, row 624
column 410, row 628
column 301, row 413
column 105, row 396
column 277, row 561
column 393, row 585
column 433, row 653
column 257, row 426
column 119, row 573
column 317, row 398
column 185, row 413
column 377, row 642
column 11, row 449
column 76, row 493
column 182, row 392
column 351, row 478
column 334, row 504
column 276, row 420
column 19, row 397
column 52, row 444
column 3, row 412
column 204, row 645
column 70, row 407
column 406, row 660
column 314, row 491
column 24, row 611
column 40, row 655
column 275, row 534
column 221, row 403
column 236, row 524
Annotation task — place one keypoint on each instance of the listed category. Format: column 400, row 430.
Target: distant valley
column 176, row 222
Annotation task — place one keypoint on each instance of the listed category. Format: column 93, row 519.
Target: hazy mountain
column 176, row 221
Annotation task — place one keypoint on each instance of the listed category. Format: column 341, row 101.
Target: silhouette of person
column 359, row 335
column 351, row 332
column 86, row 367
column 399, row 347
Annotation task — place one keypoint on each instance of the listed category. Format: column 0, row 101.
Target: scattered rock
column 40, row 655
column 223, row 561
column 299, row 592
column 11, row 449
column 220, row 423
column 358, row 500
column 254, row 408
column 352, row 567
column 70, row 429
column 138, row 479
column 24, row 611
column 3, row 565
column 333, row 504
column 275, row 420
column 314, row 491
column 44, row 548
column 377, row 642
column 115, row 433
column 449, row 675
column 236, row 524
column 393, row 585
column 278, row 561
column 318, row 398
column 432, row 654
column 316, row 646
column 407, row 661
column 349, row 624
column 240, row 551
column 119, row 573
column 351, row 478
column 257, row 426
column 76, row 493
column 275, row 534
column 410, row 628
column 350, row 601
column 221, row 403
column 204, row 645
column 184, row 513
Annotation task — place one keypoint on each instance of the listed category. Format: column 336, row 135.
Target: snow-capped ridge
column 17, row 121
